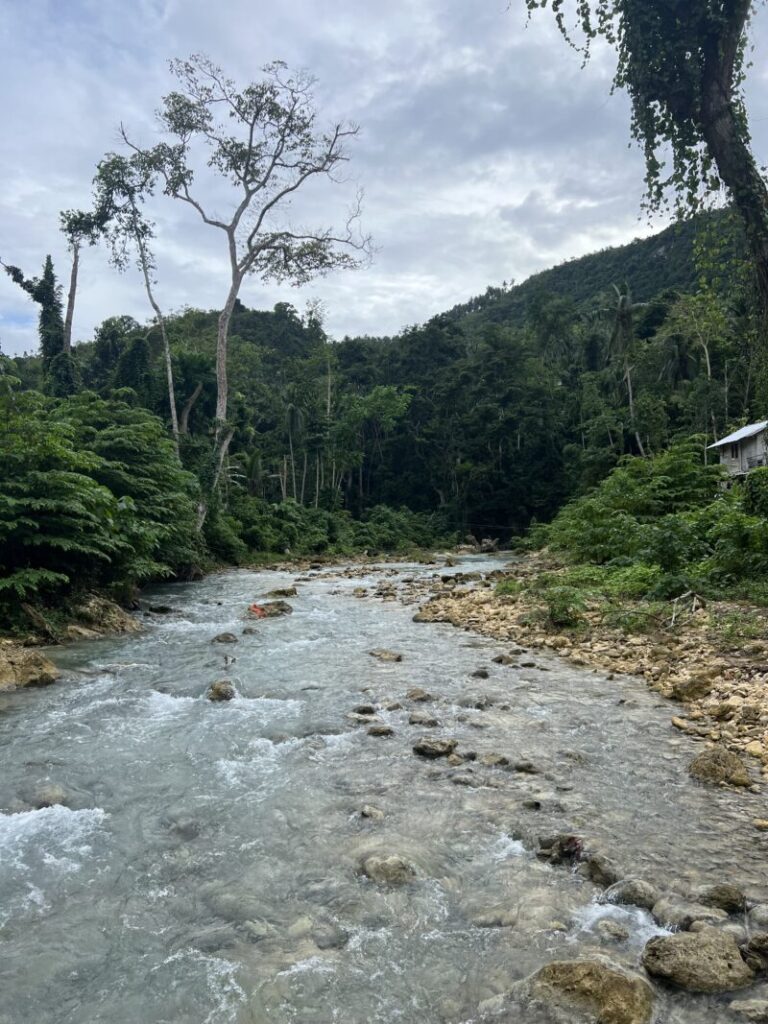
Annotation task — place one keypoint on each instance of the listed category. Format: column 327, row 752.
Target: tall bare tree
column 121, row 185
column 264, row 141
column 79, row 227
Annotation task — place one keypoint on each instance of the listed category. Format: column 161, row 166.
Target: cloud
column 486, row 152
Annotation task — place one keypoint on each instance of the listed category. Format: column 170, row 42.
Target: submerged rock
column 384, row 655
column 724, row 896
column 20, row 667
column 224, row 638
column 434, row 748
column 422, row 718
column 221, row 690
column 753, row 1010
column 563, row 848
column 673, row 912
column 283, row 592
column 633, row 892
column 272, row 609
column 371, row 812
column 327, row 935
column 608, row 993
column 716, row 765
column 419, row 695
column 704, row 961
column 393, row 870
column 380, row 729
column 50, row 795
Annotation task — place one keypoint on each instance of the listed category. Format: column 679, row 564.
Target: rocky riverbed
column 375, row 819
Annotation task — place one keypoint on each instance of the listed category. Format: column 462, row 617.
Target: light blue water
column 203, row 845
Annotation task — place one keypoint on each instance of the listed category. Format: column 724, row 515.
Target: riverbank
column 709, row 658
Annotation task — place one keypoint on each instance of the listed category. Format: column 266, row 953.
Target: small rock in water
column 384, row 655
column 494, row 760
column 496, row 919
column 272, row 609
column 477, row 701
column 364, row 709
column 249, row 631
column 371, row 812
column 633, row 892
column 422, row 718
column 455, row 760
column 327, row 935
column 393, row 870
column 601, row 870
column 380, row 730
column 224, row 638
column 480, row 673
column 563, row 848
column 753, row 1010
column 50, row 795
column 160, row 609
column 283, row 592
column 672, row 912
column 526, row 768
column 434, row 748
column 758, row 916
column 360, row 592
column 221, row 690
column 417, row 694
column 723, row 895
column 717, row 764
column 611, row 930
column 504, row 659
column 705, row 961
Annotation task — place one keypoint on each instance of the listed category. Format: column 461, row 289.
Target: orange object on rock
column 257, row 610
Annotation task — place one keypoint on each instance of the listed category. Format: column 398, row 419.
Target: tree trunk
column 188, row 406
column 317, row 480
column 304, row 477
column 631, row 397
column 293, row 461
column 724, row 134
column 67, row 343
column 160, row 320
column 222, row 341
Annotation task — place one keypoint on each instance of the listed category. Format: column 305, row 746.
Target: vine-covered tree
column 79, row 227
column 683, row 64
column 264, row 140
column 46, row 292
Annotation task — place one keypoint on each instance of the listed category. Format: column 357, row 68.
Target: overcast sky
column 486, row 153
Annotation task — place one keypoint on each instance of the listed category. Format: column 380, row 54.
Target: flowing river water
column 205, row 868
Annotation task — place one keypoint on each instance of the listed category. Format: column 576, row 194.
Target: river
column 205, row 868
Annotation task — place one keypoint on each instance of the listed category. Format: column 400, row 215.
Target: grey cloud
column 486, row 152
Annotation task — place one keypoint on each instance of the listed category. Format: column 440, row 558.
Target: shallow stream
column 205, row 867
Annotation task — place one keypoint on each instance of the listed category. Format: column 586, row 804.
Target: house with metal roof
column 744, row 449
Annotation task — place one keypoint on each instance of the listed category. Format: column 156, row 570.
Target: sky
column 486, row 153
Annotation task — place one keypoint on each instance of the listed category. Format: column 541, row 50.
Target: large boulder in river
column 753, row 1010
column 393, row 870
column 723, row 895
column 705, row 961
column 21, row 667
column 716, row 765
column 604, row 992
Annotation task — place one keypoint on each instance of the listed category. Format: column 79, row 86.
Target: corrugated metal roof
column 739, row 435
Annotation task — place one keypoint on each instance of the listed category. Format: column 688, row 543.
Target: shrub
column 564, row 606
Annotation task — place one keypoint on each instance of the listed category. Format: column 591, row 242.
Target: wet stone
column 371, row 812
column 380, row 730
column 434, row 748
column 221, row 690
column 384, row 655
column 633, row 892
column 419, row 695
column 422, row 718
column 705, row 961
column 224, row 638
column 392, row 870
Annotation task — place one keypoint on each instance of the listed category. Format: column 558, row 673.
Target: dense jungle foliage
column 480, row 422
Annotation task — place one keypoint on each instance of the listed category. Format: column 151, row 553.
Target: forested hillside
column 477, row 423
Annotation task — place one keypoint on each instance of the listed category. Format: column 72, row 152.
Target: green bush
column 564, row 606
